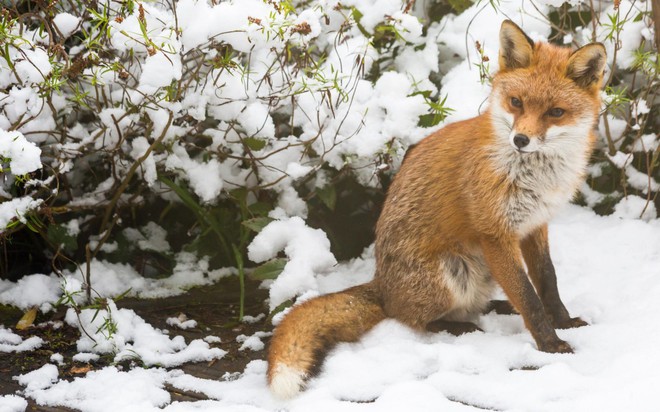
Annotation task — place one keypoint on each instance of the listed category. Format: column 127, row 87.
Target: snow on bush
column 635, row 207
column 24, row 156
column 308, row 251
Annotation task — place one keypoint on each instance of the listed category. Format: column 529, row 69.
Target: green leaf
column 257, row 224
column 254, row 144
column 279, row 309
column 59, row 236
column 460, row 6
column 429, row 120
column 260, row 208
column 239, row 196
column 426, row 94
column 205, row 218
column 328, row 196
column 357, row 16
column 269, row 270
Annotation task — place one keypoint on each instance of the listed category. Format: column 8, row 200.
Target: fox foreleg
column 503, row 258
column 536, row 252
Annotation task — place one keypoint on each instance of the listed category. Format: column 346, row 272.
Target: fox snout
column 520, row 141
column 523, row 142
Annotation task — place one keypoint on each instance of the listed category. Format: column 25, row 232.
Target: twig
column 129, row 175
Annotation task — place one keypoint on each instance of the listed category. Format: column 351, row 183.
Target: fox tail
column 311, row 329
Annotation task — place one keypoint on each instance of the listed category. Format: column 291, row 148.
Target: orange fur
column 464, row 211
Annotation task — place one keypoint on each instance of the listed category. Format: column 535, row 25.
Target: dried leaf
column 80, row 369
column 27, row 319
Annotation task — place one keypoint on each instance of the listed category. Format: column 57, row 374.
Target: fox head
column 545, row 98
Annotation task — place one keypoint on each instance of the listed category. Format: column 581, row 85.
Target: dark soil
column 215, row 308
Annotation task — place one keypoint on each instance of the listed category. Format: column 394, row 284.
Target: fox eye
column 515, row 102
column 556, row 112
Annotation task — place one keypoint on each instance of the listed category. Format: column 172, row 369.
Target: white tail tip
column 287, row 381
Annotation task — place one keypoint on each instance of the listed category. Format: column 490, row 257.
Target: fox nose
column 520, row 140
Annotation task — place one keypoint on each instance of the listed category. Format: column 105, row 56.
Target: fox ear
column 586, row 64
column 516, row 47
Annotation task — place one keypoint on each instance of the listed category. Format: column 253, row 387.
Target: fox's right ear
column 516, row 47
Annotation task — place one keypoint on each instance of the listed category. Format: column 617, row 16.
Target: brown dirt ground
column 215, row 308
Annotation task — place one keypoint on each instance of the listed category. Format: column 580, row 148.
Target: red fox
column 470, row 203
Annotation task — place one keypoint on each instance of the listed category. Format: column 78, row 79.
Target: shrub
column 212, row 119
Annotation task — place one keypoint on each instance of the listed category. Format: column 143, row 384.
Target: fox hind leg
column 456, row 328
column 501, row 307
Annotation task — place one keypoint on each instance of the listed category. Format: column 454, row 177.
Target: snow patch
column 12, row 403
column 253, row 342
column 11, row 342
column 131, row 337
column 635, row 207
column 182, row 322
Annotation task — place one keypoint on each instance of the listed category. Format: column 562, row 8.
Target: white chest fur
column 539, row 185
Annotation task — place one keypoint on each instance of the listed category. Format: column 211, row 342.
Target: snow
column 33, row 66
column 85, row 357
column 111, row 279
column 610, row 280
column 646, row 143
column 205, row 178
column 57, row 358
column 212, row 339
column 40, row 378
column 108, row 389
column 24, row 156
column 130, row 337
column 16, row 208
column 253, row 342
column 12, row 403
column 148, row 166
column 159, row 71
column 256, row 121
column 150, row 237
column 34, row 290
column 253, row 319
column 635, row 207
column 66, row 24
column 11, row 342
column 182, row 322
column 308, row 251
column 629, row 40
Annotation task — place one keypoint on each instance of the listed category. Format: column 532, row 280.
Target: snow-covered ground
column 608, row 267
column 609, row 274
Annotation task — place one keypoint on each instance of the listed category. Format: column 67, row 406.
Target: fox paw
column 558, row 346
column 454, row 328
column 569, row 323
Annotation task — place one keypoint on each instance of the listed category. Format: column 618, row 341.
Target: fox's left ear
column 586, row 64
